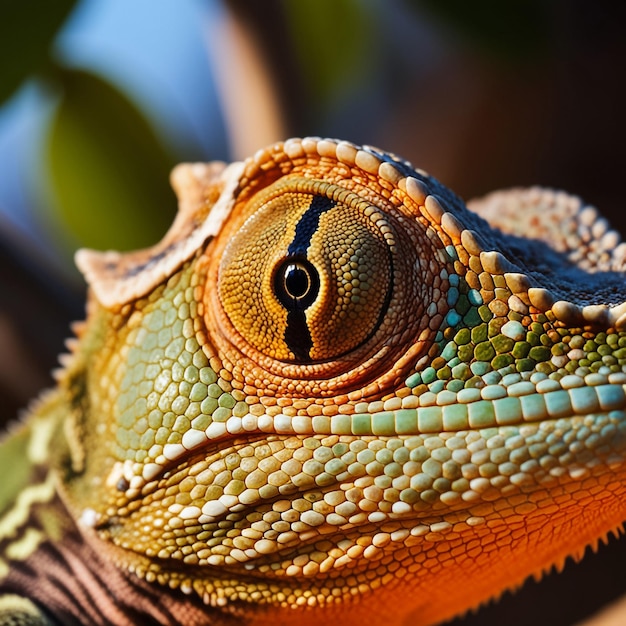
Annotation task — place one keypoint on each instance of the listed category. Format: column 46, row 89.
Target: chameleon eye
column 315, row 286
column 308, row 276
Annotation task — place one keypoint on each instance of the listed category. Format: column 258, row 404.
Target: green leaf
column 27, row 30
column 109, row 172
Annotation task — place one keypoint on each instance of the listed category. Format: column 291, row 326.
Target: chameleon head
column 326, row 380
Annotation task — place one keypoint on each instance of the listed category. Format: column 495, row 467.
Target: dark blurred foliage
column 517, row 33
column 484, row 95
column 26, row 35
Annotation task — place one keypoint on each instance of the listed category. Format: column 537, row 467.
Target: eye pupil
column 297, row 281
column 296, row 284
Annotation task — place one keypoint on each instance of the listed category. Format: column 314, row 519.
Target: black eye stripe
column 296, row 285
column 298, row 336
column 308, row 224
column 296, row 280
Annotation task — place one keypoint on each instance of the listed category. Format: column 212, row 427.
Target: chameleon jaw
column 355, row 499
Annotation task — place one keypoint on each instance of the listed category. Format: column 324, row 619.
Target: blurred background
column 100, row 98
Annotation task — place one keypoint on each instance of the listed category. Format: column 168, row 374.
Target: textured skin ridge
column 332, row 391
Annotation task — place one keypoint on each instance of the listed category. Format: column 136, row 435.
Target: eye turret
column 308, row 278
column 318, row 286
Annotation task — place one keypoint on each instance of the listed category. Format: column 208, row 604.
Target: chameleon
column 333, row 391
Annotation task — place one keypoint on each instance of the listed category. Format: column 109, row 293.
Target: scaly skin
column 332, row 392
